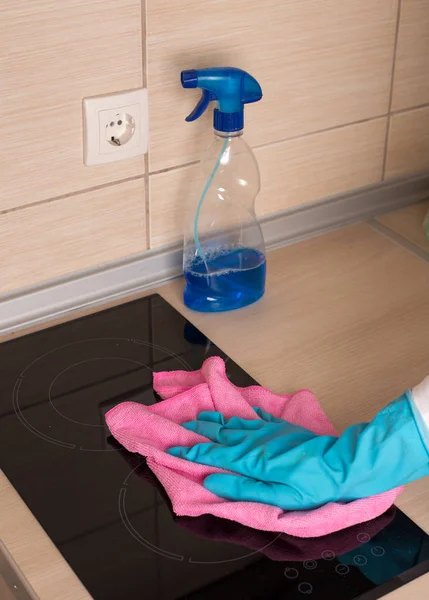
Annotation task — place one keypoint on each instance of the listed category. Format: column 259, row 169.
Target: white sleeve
column 421, row 400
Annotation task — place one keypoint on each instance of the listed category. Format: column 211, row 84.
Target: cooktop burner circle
column 81, row 381
column 178, row 547
column 53, row 392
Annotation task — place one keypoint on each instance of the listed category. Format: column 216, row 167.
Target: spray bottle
column 224, row 252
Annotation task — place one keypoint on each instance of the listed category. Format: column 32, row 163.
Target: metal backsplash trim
column 92, row 287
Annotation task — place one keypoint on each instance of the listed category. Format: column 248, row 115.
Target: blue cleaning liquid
column 225, row 280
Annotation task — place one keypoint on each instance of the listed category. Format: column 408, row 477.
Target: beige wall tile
column 320, row 64
column 292, row 173
column 53, row 54
column 408, row 148
column 55, row 238
column 320, row 165
column 411, row 83
column 408, row 222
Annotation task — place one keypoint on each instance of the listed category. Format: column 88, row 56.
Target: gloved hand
column 290, row 467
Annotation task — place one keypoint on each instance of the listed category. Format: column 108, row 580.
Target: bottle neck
column 228, row 134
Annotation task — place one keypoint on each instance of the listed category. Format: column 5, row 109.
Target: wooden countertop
column 346, row 315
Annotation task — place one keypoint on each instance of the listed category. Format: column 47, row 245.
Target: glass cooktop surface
column 105, row 511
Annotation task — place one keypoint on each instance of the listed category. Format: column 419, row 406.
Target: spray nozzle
column 231, row 88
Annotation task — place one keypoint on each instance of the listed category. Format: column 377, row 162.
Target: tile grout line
column 399, row 240
column 401, row 111
column 319, row 131
column 392, row 83
column 303, row 135
column 148, row 219
column 94, row 188
column 173, row 168
column 143, row 14
column 145, row 66
column 279, row 141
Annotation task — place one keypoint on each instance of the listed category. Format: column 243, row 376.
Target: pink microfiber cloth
column 150, row 430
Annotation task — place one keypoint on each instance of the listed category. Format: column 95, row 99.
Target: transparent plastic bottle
column 224, row 254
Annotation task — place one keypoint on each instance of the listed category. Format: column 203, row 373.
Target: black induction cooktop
column 108, row 515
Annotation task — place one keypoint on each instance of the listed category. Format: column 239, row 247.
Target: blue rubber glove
column 290, row 467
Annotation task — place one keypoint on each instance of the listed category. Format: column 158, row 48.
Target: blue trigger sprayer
column 224, row 252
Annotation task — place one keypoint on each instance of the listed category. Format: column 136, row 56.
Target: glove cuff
column 418, row 398
column 420, row 395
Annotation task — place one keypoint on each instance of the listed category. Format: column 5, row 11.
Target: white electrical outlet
column 115, row 127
